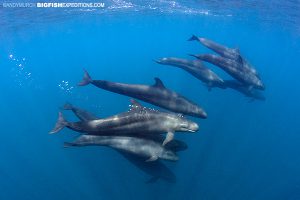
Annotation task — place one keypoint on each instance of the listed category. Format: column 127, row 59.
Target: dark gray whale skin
column 247, row 67
column 156, row 94
column 222, row 50
column 230, row 53
column 135, row 121
column 157, row 170
column 238, row 86
column 233, row 68
column 142, row 147
column 83, row 115
column 197, row 69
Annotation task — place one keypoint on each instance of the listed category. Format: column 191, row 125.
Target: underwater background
column 243, row 150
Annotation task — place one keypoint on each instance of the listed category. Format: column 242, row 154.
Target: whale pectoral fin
column 250, row 88
column 153, row 179
column 67, row 106
column 152, row 158
column 169, row 137
column 209, row 86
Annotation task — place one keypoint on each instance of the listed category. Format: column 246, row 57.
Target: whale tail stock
column 60, row 124
column 194, row 37
column 86, row 79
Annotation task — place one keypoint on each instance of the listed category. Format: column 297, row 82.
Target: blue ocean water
column 243, row 150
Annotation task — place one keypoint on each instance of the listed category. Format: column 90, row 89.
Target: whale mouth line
column 189, row 130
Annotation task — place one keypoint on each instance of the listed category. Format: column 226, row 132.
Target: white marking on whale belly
column 115, row 118
column 94, row 123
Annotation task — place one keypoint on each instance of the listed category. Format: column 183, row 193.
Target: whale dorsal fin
column 237, row 50
column 240, row 59
column 158, row 83
column 135, row 105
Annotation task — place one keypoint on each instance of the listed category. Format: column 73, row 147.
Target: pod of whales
column 83, row 115
column 157, row 170
column 138, row 134
column 232, row 62
column 226, row 52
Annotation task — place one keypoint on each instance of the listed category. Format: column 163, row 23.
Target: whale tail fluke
column 194, row 37
column 67, row 106
column 60, row 124
column 86, row 79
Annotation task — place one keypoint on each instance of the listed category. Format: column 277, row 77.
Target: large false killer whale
column 137, row 120
column 156, row 94
column 226, row 52
column 234, row 69
column 195, row 68
column 134, row 145
column 83, row 115
column 157, row 170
